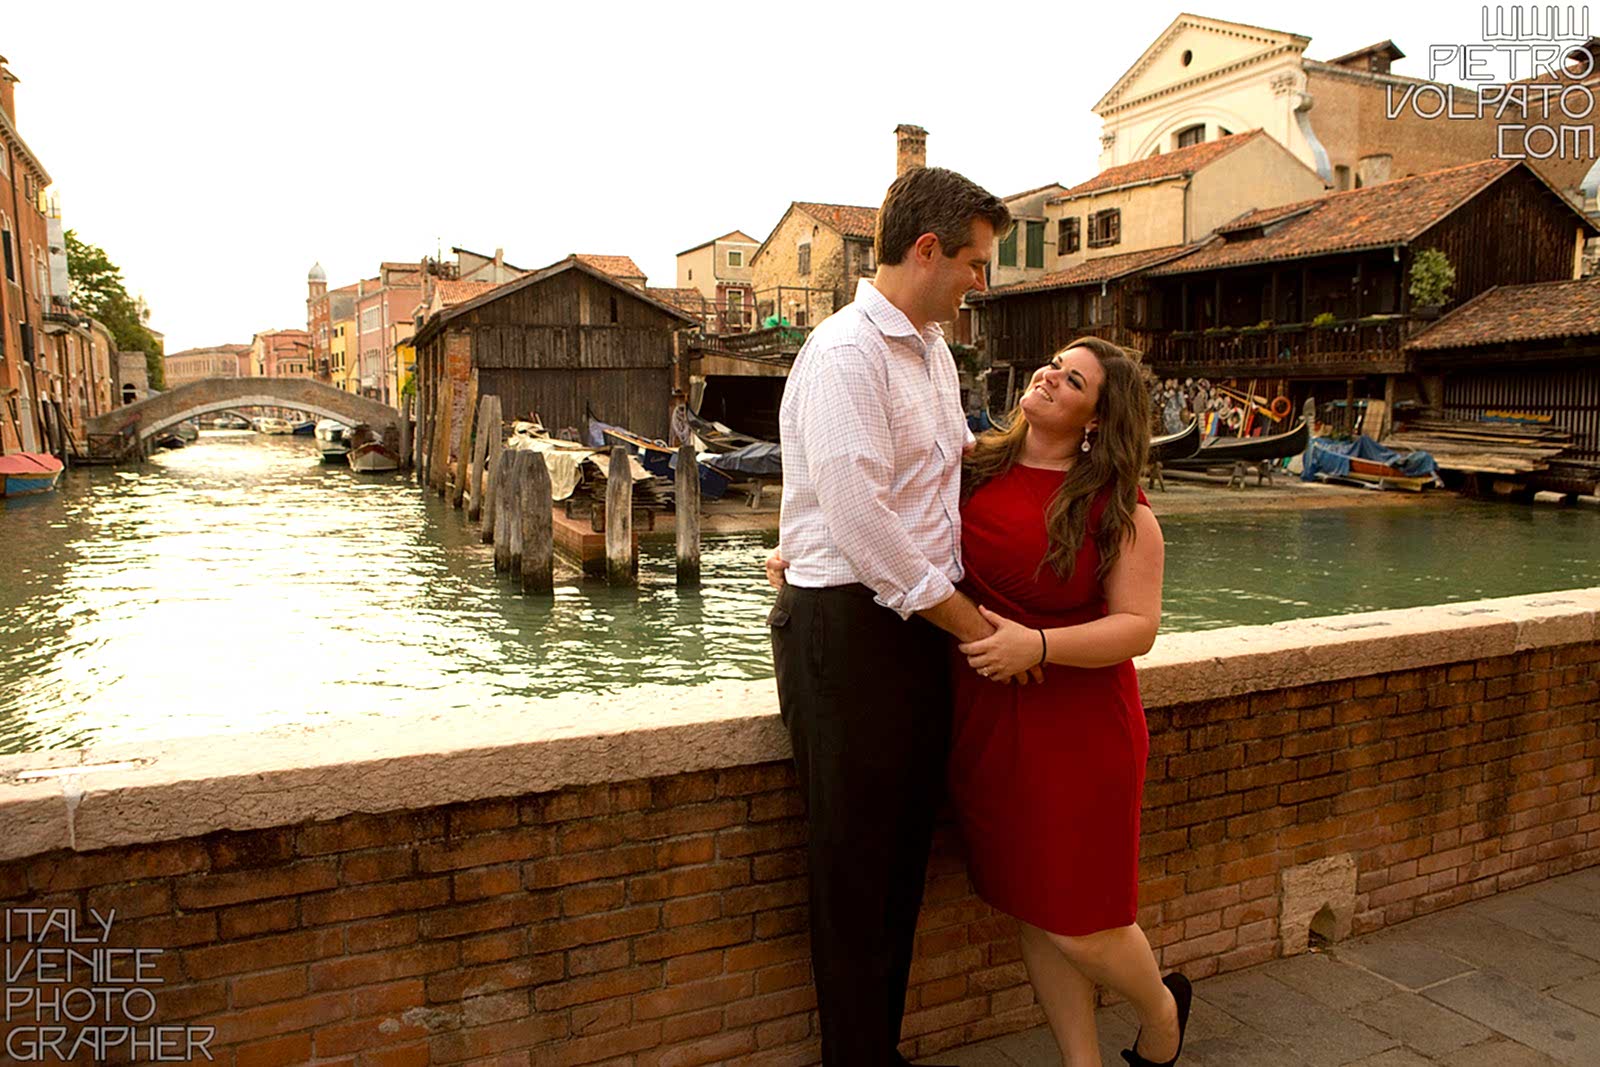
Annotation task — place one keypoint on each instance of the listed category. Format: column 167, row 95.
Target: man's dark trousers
column 866, row 699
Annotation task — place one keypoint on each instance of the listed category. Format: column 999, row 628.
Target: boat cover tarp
column 763, row 458
column 1327, row 456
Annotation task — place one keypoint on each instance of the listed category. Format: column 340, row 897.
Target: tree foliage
column 98, row 290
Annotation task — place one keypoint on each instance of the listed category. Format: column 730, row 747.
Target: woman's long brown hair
column 1120, row 447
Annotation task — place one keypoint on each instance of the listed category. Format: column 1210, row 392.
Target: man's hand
column 776, row 565
column 1012, row 651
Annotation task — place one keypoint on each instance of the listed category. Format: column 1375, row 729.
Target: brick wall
column 662, row 922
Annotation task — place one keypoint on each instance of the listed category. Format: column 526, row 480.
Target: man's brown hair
column 937, row 201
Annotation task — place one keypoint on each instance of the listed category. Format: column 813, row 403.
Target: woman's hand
column 776, row 565
column 1013, row 649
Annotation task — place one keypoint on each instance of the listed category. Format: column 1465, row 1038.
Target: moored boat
column 304, row 428
column 1223, row 450
column 333, row 438
column 26, row 473
column 1175, row 446
column 268, row 424
column 660, row 459
column 369, row 452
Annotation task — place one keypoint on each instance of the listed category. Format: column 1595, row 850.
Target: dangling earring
column 1085, row 446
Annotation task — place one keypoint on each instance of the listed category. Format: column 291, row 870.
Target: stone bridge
column 154, row 414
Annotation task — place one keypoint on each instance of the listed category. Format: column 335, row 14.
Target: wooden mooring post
column 538, row 525
column 511, row 504
column 437, row 474
column 622, row 561
column 687, row 503
column 458, row 480
column 491, row 468
column 480, row 451
column 499, row 517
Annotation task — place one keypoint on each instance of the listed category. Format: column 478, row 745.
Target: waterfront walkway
column 1510, row 981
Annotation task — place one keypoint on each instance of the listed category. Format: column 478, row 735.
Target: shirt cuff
column 934, row 588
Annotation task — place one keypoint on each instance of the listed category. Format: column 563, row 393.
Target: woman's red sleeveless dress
column 1047, row 780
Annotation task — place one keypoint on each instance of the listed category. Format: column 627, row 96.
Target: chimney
column 8, row 92
column 1374, row 169
column 910, row 148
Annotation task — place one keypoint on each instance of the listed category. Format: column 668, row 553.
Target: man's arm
column 957, row 614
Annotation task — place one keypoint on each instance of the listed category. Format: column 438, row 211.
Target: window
column 1068, row 235
column 1074, row 310
column 613, row 309
column 1035, row 245
column 800, row 317
column 1008, row 248
column 866, row 257
column 1191, row 136
column 804, row 266
column 11, row 263
column 1105, row 228
column 735, row 259
column 691, row 274
column 1341, row 178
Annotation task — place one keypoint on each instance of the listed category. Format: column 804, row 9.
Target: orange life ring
column 1280, row 407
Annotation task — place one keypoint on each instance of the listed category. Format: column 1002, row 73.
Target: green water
column 239, row 583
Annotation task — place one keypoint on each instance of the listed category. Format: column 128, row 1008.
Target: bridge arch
column 154, row 414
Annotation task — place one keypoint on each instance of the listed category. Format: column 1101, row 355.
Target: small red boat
column 23, row 473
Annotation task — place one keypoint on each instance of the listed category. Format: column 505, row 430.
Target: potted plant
column 1324, row 321
column 1431, row 279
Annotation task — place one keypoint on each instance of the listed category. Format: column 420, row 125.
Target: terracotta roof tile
column 691, row 300
column 616, row 266
column 1391, row 213
column 1534, row 312
column 1174, row 164
column 848, row 220
column 1103, row 268
column 451, row 293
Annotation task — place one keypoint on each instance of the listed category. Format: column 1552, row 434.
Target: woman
column 1064, row 557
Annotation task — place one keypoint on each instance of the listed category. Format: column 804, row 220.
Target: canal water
column 239, row 583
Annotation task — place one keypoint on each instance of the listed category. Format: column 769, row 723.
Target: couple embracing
column 958, row 616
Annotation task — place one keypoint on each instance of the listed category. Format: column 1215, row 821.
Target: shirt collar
column 890, row 319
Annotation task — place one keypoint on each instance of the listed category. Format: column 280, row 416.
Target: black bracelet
column 1044, row 649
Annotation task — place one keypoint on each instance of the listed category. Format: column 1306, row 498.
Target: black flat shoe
column 1182, row 995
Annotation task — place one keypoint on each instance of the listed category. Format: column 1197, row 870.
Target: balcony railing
column 1370, row 344
column 773, row 342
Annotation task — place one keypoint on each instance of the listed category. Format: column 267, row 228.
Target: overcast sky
column 216, row 150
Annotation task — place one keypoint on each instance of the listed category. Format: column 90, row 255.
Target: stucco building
column 720, row 271
column 216, row 361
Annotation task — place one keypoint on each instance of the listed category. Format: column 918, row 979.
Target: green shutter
column 1008, row 249
column 1035, row 244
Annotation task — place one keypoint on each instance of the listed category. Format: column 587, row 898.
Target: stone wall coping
column 150, row 791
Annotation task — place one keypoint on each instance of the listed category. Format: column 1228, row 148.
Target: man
column 873, row 431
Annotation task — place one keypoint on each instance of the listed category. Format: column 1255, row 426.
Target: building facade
column 281, row 354
column 26, row 381
column 720, row 271
column 218, row 361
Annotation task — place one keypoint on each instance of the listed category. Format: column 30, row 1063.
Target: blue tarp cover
column 762, row 458
column 1327, row 456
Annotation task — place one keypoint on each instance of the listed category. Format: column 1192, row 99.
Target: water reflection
column 239, row 583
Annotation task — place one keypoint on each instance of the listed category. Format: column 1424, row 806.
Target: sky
column 217, row 151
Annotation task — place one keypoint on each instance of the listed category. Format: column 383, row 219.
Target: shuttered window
column 1068, row 236
column 1008, row 249
column 1035, row 247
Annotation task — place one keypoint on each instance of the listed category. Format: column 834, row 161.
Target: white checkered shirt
column 872, row 432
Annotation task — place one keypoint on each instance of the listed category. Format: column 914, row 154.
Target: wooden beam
column 688, row 517
column 538, row 525
column 622, row 558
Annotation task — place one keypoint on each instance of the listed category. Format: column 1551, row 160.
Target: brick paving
column 1509, row 981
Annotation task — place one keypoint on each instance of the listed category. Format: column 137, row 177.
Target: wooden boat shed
column 555, row 343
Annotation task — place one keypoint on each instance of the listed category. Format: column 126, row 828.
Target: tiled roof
column 1534, row 312
column 1089, row 272
column 451, row 293
column 1375, row 216
column 616, row 266
column 1174, row 164
column 691, row 300
column 849, row 221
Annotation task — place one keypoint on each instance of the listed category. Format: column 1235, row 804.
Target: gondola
column 1176, row 446
column 1220, row 451
column 660, row 459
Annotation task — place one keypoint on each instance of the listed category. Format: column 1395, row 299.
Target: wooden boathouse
column 554, row 344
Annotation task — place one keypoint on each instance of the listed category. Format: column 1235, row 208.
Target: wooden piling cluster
column 508, row 492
